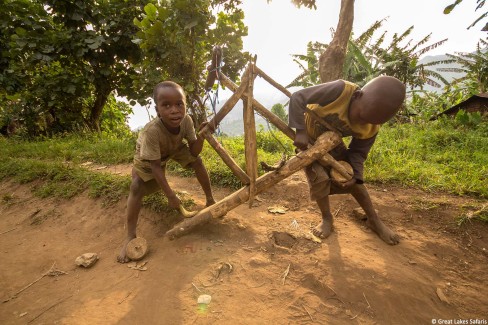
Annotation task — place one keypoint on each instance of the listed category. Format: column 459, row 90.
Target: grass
column 434, row 156
column 439, row 155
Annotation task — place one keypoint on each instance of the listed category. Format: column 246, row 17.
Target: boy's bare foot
column 122, row 258
column 324, row 229
column 210, row 201
column 385, row 233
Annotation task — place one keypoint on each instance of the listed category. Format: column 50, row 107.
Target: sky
column 278, row 29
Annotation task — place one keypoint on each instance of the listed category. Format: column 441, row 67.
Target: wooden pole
column 272, row 82
column 275, row 120
column 324, row 143
column 229, row 104
column 228, row 160
column 251, row 154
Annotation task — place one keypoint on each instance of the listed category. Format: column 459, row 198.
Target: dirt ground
column 258, row 267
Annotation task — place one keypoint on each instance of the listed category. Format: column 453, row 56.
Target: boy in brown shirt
column 350, row 111
column 160, row 140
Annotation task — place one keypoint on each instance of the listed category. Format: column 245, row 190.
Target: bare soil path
column 259, row 267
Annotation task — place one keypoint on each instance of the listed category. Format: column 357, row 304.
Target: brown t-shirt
column 156, row 142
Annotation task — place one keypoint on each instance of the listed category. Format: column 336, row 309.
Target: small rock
column 241, row 226
column 204, row 299
column 258, row 261
column 87, row 260
column 442, row 296
column 277, row 209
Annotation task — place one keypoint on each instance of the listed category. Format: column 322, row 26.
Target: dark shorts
column 318, row 176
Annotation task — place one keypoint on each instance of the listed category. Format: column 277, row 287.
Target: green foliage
column 448, row 154
column 72, row 148
column 58, row 56
column 179, row 37
column 475, row 68
column 279, row 110
column 479, row 5
column 440, row 155
column 54, row 179
column 270, row 146
column 366, row 58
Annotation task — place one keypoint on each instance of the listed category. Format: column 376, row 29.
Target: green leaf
column 70, row 89
column 20, row 31
column 151, row 11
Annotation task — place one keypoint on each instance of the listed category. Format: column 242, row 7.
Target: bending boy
column 350, row 111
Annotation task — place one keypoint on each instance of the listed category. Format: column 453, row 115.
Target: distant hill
column 448, row 75
column 233, row 125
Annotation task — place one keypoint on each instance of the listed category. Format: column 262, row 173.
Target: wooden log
column 226, row 158
column 251, row 154
column 229, row 104
column 272, row 82
column 267, row 114
column 324, row 143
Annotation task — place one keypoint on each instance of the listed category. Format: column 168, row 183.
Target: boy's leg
column 360, row 193
column 324, row 229
column 203, row 179
column 134, row 204
column 319, row 185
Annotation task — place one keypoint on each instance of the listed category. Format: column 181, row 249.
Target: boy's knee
column 135, row 187
column 197, row 163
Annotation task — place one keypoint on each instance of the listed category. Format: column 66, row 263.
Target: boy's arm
column 356, row 155
column 160, row 178
column 322, row 94
column 196, row 145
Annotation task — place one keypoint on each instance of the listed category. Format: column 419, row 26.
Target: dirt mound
column 258, row 267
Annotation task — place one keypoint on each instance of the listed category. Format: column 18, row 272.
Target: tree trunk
column 331, row 62
column 102, row 93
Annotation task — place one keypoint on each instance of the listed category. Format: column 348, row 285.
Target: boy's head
column 378, row 101
column 170, row 100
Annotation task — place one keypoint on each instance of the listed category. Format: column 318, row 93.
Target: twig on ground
column 470, row 239
column 285, row 274
column 369, row 306
column 125, row 297
column 311, row 318
column 8, row 231
column 49, row 308
column 336, row 212
column 332, row 290
column 51, row 272
column 196, row 287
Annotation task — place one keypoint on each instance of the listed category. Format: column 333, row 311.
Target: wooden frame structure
column 253, row 184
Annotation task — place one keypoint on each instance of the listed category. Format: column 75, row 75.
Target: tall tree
column 63, row 53
column 332, row 60
column 177, row 38
column 474, row 66
column 367, row 57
